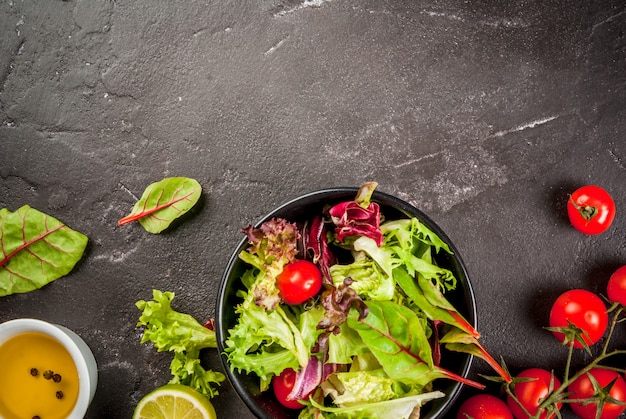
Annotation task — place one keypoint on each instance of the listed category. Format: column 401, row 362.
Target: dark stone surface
column 483, row 114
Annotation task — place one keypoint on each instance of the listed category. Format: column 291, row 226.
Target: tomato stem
column 588, row 212
column 517, row 401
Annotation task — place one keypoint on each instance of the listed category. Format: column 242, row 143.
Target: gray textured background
column 484, row 114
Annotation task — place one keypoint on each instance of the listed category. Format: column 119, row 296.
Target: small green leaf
column 36, row 249
column 164, row 201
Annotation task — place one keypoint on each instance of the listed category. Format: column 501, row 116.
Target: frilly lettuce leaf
column 268, row 341
column 369, row 281
column 170, row 330
column 405, row 230
column 189, row 371
column 272, row 245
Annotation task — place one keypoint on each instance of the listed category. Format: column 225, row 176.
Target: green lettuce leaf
column 406, row 230
column 187, row 369
column 359, row 387
column 345, row 345
column 369, row 281
column 170, row 330
column 400, row 408
column 36, row 250
column 268, row 341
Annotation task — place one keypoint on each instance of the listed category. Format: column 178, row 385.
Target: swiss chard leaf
column 394, row 334
column 434, row 312
column 460, row 341
column 164, row 201
column 36, row 249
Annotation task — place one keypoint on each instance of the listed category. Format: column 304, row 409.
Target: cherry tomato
column 282, row 385
column 591, row 209
column 616, row 288
column 585, row 310
column 299, row 281
column 582, row 388
column 531, row 393
column 484, row 406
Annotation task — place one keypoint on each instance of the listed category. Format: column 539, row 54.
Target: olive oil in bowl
column 47, row 371
column 39, row 378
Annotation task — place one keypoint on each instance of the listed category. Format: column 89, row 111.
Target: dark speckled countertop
column 483, row 114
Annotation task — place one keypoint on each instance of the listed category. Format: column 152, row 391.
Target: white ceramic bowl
column 74, row 344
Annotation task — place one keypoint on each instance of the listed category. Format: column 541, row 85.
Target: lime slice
column 174, row 401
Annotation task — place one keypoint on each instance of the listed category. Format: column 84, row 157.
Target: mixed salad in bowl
column 343, row 313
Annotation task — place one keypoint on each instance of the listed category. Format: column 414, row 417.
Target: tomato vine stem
column 559, row 395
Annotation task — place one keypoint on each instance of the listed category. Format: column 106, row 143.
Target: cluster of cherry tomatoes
column 598, row 392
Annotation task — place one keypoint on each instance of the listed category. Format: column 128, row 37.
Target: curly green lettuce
column 170, row 330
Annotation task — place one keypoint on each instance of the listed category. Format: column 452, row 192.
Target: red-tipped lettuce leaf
column 337, row 302
column 315, row 244
column 359, row 217
column 310, row 377
column 272, row 246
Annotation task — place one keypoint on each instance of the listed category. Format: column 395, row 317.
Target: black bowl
column 264, row 405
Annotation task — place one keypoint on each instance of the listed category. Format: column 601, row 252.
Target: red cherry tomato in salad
column 299, row 281
column 531, row 393
column 585, row 310
column 282, row 385
column 484, row 406
column 616, row 288
column 582, row 388
column 591, row 209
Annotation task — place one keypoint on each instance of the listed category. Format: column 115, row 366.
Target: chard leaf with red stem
column 36, row 250
column 464, row 333
column 396, row 337
column 162, row 202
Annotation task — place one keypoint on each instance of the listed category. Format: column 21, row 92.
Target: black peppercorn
column 56, row 378
column 48, row 374
column 36, row 417
column 34, row 372
column 59, row 394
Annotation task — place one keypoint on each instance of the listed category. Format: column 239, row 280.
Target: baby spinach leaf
column 36, row 249
column 162, row 202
